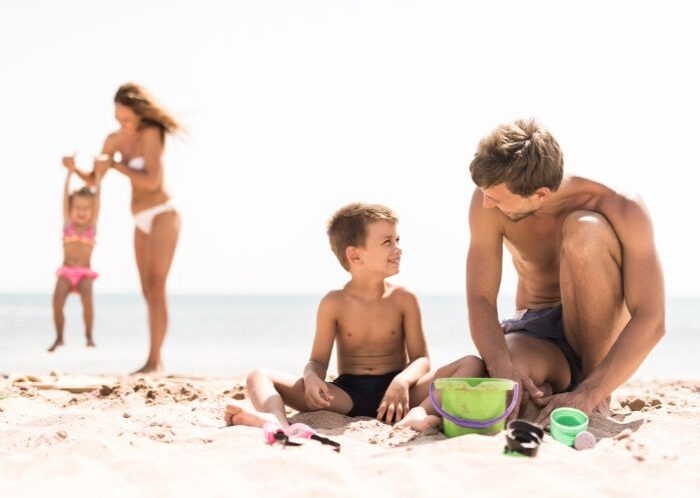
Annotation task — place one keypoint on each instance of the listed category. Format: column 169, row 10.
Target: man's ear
column 352, row 255
column 542, row 193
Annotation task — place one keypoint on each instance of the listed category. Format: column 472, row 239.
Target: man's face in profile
column 514, row 207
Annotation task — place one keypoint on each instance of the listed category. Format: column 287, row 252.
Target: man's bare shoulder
column 484, row 217
column 624, row 209
column 608, row 200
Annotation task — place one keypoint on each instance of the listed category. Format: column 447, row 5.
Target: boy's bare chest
column 370, row 324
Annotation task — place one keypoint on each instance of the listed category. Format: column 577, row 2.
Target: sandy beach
column 163, row 437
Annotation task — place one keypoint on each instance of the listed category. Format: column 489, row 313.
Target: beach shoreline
column 165, row 436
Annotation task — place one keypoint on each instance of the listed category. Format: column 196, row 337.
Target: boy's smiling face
column 380, row 254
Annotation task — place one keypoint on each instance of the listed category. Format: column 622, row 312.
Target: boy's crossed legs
column 269, row 391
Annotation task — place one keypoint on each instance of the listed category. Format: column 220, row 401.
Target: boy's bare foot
column 57, row 343
column 240, row 415
column 90, row 343
column 149, row 368
column 418, row 420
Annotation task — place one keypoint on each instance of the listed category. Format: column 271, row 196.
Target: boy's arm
column 395, row 404
column 416, row 347
column 66, row 198
column 317, row 392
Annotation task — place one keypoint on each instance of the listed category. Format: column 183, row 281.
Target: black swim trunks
column 365, row 391
column 547, row 324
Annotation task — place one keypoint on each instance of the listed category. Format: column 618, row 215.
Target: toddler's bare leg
column 85, row 290
column 60, row 294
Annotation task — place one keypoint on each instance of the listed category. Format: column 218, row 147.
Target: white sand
column 164, row 438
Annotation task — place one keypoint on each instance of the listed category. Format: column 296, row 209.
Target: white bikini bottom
column 144, row 219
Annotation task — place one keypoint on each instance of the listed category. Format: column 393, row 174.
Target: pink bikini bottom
column 74, row 274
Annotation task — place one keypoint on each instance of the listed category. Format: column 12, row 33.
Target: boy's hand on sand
column 394, row 406
column 69, row 162
column 317, row 394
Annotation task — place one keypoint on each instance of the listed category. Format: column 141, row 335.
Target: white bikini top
column 137, row 163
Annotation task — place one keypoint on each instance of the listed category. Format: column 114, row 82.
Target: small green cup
column 566, row 423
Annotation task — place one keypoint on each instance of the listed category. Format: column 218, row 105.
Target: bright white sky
column 296, row 108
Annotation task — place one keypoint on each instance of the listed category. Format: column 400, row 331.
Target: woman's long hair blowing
column 136, row 98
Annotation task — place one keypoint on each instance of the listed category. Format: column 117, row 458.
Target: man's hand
column 316, row 393
column 577, row 399
column 395, row 403
column 528, row 389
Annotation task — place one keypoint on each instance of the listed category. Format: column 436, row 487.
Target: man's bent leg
column 594, row 310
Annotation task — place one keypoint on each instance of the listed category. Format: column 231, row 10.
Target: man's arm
column 643, row 287
column 484, row 267
column 317, row 393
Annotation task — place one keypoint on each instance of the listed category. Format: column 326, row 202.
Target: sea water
column 228, row 335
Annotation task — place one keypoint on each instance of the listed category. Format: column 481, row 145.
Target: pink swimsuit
column 74, row 274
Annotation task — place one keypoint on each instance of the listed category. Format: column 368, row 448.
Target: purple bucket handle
column 474, row 424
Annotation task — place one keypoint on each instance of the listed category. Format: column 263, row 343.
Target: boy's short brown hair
column 522, row 154
column 348, row 226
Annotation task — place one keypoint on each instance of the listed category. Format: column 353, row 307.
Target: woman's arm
column 150, row 177
column 102, row 164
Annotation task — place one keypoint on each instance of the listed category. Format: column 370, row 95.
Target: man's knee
column 473, row 363
column 587, row 234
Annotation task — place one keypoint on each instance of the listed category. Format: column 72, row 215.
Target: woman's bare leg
column 60, row 294
column 154, row 255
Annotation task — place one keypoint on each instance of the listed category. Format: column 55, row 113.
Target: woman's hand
column 101, row 164
column 69, row 162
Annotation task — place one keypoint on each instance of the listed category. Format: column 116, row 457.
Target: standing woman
column 136, row 151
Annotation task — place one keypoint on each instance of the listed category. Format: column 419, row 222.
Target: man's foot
column 240, row 415
column 57, row 343
column 149, row 368
column 419, row 420
column 90, row 343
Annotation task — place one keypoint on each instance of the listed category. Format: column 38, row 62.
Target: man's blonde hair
column 348, row 226
column 522, row 154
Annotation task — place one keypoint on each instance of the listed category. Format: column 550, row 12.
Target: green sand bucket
column 566, row 423
column 473, row 405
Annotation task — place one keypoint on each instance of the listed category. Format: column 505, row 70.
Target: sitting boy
column 382, row 354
